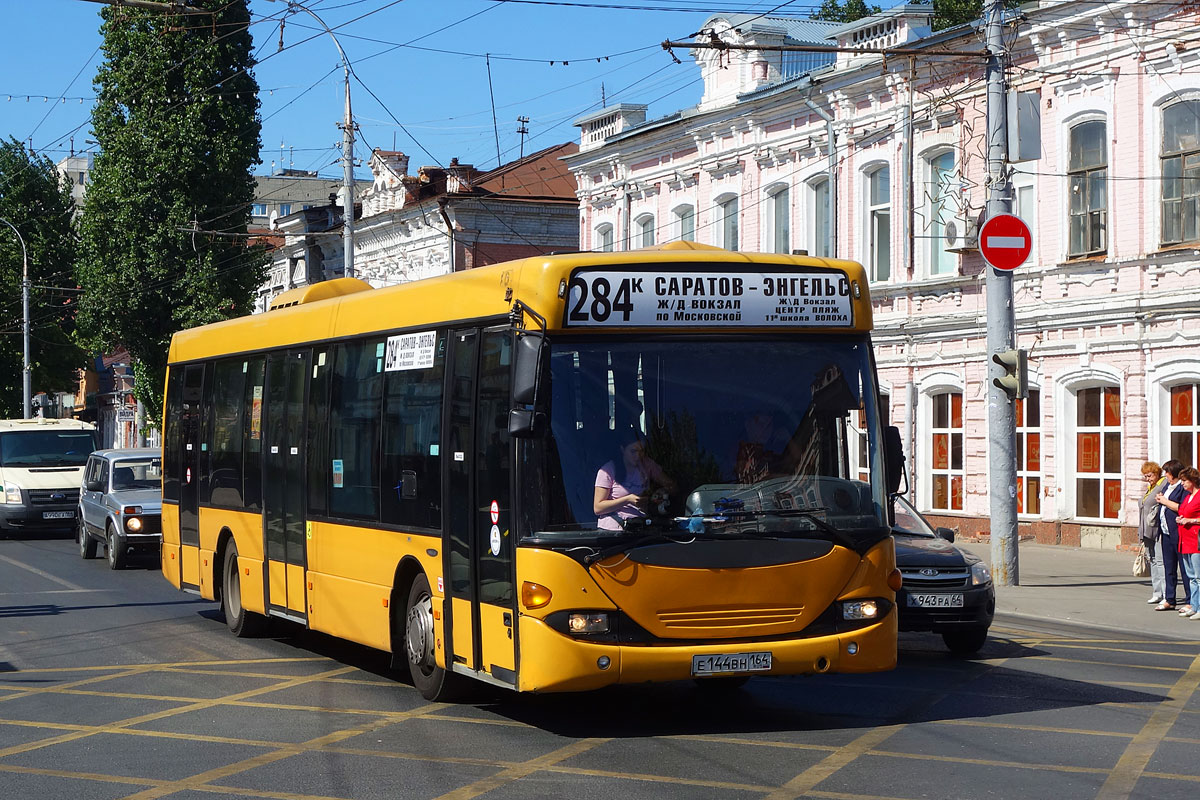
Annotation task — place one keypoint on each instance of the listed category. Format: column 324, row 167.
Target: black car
column 946, row 590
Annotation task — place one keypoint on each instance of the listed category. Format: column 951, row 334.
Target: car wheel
column 115, row 547
column 965, row 643
column 433, row 682
column 244, row 624
column 87, row 545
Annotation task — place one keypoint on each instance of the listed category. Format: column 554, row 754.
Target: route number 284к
column 595, row 300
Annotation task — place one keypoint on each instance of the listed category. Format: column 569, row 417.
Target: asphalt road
column 114, row 685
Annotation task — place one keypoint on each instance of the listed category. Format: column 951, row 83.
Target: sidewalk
column 1084, row 587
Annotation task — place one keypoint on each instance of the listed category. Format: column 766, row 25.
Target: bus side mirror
column 893, row 458
column 527, row 417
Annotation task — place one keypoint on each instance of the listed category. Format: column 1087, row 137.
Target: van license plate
column 935, row 601
column 730, row 663
column 58, row 514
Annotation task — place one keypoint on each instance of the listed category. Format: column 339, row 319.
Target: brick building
column 435, row 221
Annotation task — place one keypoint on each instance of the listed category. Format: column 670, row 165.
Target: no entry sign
column 1005, row 241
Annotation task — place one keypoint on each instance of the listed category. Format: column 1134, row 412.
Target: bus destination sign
column 698, row 298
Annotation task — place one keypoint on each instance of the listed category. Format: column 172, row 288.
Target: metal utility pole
column 1001, row 324
column 522, row 131
column 26, row 368
column 347, row 127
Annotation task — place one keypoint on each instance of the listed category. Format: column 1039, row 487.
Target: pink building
column 883, row 161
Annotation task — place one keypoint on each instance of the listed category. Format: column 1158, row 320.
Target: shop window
column 946, row 452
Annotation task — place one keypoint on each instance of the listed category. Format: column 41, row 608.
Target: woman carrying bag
column 1148, row 532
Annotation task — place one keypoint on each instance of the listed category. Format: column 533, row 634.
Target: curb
column 1193, row 639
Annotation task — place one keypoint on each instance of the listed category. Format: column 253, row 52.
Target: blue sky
column 50, row 49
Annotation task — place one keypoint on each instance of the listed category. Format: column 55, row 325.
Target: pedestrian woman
column 1188, row 521
column 1168, row 532
column 1148, row 521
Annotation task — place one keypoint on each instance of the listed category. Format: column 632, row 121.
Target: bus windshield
column 730, row 438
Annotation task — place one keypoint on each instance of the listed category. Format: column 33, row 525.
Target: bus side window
column 252, row 433
column 318, row 432
column 354, row 416
column 171, row 443
column 412, row 445
column 225, row 436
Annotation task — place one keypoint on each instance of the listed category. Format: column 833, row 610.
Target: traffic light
column 1016, row 365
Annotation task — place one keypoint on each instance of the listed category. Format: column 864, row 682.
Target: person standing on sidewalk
column 1148, row 531
column 1188, row 521
column 1168, row 533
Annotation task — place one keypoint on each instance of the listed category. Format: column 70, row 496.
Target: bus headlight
column 860, row 609
column 11, row 495
column 980, row 574
column 588, row 622
column 133, row 524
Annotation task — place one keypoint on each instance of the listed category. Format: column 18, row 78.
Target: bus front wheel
column 243, row 623
column 433, row 682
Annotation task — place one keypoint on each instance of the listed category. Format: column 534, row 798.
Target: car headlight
column 133, row 524
column 860, row 609
column 980, row 574
column 11, row 495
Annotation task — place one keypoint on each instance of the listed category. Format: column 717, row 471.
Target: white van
column 41, row 466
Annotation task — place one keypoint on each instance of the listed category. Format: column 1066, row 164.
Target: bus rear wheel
column 244, row 624
column 433, row 682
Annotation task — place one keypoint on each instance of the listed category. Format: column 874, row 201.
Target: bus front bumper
column 553, row 662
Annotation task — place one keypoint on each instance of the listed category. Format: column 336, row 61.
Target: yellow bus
column 437, row 470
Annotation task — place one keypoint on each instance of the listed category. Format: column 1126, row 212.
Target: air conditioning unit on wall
column 960, row 234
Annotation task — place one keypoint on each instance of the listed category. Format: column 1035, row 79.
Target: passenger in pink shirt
column 622, row 489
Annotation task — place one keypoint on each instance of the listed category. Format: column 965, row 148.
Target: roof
column 802, row 31
column 127, row 452
column 540, row 174
column 38, row 423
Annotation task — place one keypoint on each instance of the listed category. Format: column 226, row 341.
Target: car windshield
column 909, row 520
column 742, row 437
column 136, row 473
column 48, row 448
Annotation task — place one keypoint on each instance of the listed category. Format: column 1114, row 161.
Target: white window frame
column 722, row 221
column 940, row 208
column 820, row 235
column 1072, row 126
column 1025, row 206
column 604, row 237
column 871, row 213
column 1067, row 385
column 771, row 218
column 679, row 215
column 643, row 231
column 929, row 385
column 1023, row 432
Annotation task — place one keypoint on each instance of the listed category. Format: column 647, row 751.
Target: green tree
column 37, row 202
column 847, row 11
column 163, row 243
column 948, row 13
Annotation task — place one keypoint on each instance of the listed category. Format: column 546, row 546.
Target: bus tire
column 433, row 682
column 244, row 624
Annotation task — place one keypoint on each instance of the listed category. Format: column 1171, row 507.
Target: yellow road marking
column 1133, row 761
column 519, row 771
column 805, row 781
column 201, row 780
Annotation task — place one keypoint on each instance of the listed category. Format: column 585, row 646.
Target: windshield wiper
column 652, row 538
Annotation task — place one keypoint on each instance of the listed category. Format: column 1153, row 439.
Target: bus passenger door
column 283, row 483
column 480, row 557
column 189, row 477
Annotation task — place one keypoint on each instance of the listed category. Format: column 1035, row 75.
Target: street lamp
column 347, row 147
column 26, row 369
